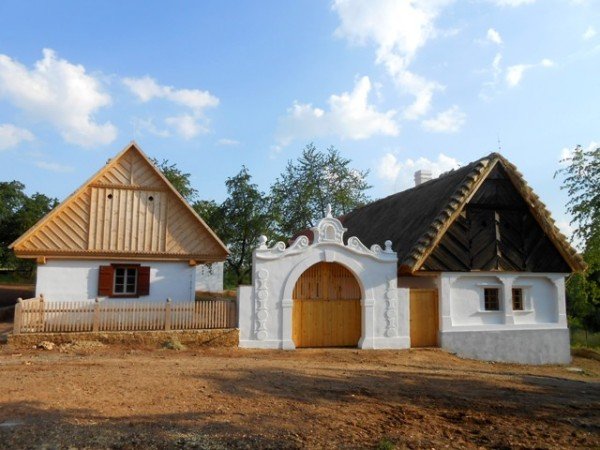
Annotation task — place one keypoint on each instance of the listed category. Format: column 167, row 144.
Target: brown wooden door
column 326, row 310
column 424, row 318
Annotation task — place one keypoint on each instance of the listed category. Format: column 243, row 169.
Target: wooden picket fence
column 37, row 315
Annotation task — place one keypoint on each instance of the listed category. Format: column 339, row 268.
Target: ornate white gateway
column 266, row 307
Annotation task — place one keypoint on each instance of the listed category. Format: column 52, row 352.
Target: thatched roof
column 416, row 219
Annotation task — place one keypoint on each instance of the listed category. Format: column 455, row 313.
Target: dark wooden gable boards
column 496, row 231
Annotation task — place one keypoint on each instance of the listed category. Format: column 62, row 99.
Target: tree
column 18, row 213
column 581, row 180
column 245, row 214
column 179, row 179
column 301, row 194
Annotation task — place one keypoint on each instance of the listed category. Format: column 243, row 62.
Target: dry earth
column 87, row 395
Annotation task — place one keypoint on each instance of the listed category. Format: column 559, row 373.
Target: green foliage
column 173, row 344
column 18, row 213
column 245, row 215
column 301, row 194
column 179, row 179
column 299, row 198
column 581, row 180
column 385, row 444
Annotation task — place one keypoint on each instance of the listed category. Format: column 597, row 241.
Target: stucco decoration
column 384, row 324
column 262, row 311
column 391, row 298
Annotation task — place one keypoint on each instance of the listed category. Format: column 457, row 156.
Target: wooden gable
column 128, row 210
column 496, row 230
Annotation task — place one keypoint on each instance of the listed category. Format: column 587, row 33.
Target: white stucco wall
column 209, row 277
column 72, row 280
column 536, row 335
column 265, row 308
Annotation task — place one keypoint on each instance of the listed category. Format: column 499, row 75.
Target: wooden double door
column 326, row 311
column 424, row 318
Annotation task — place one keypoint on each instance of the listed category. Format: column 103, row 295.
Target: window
column 125, row 280
column 517, row 299
column 491, row 299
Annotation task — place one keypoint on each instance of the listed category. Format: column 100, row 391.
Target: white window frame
column 126, row 273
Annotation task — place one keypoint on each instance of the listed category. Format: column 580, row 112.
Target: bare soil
column 108, row 396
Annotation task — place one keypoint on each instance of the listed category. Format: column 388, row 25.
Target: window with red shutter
column 105, row 281
column 143, row 280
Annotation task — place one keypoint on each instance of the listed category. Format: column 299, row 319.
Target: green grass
column 578, row 339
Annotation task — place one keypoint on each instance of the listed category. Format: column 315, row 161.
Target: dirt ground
column 87, row 395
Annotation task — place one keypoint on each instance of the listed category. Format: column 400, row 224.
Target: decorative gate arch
column 266, row 309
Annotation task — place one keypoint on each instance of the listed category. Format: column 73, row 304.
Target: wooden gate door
column 326, row 310
column 424, row 318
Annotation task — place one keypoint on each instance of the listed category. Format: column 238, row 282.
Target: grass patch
column 385, row 444
column 580, row 339
column 173, row 344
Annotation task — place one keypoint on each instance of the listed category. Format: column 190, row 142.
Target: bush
column 173, row 344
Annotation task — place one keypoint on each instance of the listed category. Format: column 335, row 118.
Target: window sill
column 124, row 296
column 522, row 311
column 490, row 311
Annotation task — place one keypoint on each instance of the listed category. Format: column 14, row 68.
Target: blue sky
column 395, row 85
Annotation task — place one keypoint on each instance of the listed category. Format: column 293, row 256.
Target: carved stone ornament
column 261, row 304
column 329, row 231
column 391, row 297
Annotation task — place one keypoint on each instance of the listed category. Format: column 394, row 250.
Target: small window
column 491, row 299
column 125, row 280
column 517, row 299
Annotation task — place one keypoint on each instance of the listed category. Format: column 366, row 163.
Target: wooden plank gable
column 128, row 209
column 496, row 230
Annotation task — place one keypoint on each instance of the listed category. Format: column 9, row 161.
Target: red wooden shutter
column 105, row 281
column 143, row 281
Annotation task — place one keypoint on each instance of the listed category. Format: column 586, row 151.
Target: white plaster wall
column 75, row 280
column 466, row 300
column 537, row 335
column 209, row 277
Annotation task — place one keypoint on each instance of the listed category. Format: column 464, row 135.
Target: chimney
column 421, row 176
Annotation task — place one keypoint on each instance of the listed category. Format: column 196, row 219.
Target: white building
column 125, row 233
column 475, row 266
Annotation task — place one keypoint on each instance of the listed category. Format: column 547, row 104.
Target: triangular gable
column 454, row 213
column 128, row 209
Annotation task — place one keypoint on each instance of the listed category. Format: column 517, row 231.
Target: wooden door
column 424, row 318
column 326, row 310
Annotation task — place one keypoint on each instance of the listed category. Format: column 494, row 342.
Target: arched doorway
column 326, row 311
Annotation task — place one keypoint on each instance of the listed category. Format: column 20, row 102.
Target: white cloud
column 512, row 3
column 514, row 74
column 148, row 125
column 187, row 125
column 60, row 93
column 228, row 142
column 53, row 167
column 449, row 121
column 589, row 33
column 400, row 174
column 350, row 116
column 493, row 36
column 398, row 29
column 11, row 136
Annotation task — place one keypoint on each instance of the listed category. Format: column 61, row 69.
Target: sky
column 395, row 85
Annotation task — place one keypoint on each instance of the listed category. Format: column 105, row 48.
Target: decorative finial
column 388, row 246
column 328, row 211
column 262, row 242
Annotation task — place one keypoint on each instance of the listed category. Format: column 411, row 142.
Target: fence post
column 41, row 316
column 17, row 322
column 168, row 315
column 96, row 319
